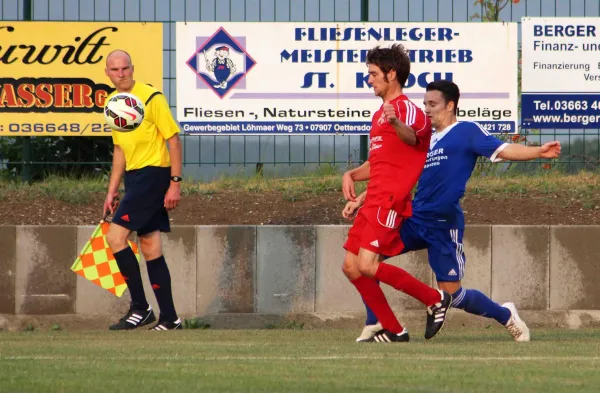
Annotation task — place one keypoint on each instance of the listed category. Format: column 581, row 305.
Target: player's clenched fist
column 390, row 113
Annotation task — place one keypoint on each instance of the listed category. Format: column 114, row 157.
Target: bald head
column 120, row 70
column 118, row 54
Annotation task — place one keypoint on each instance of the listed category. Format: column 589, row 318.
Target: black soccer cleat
column 168, row 325
column 436, row 315
column 134, row 319
column 385, row 336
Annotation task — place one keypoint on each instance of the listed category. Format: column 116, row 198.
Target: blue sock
column 371, row 318
column 475, row 302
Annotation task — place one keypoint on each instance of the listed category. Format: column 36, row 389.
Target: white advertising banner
column 561, row 73
column 263, row 78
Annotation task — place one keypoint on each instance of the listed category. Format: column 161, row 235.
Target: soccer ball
column 124, row 112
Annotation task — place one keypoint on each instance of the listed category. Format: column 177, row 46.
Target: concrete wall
column 279, row 270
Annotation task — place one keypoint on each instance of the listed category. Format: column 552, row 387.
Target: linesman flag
column 97, row 264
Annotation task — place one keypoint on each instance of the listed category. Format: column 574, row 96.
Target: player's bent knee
column 350, row 271
column 151, row 253
column 367, row 268
column 150, row 245
column 449, row 286
column 116, row 239
column 350, row 268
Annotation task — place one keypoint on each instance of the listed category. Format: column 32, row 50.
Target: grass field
column 297, row 361
column 582, row 186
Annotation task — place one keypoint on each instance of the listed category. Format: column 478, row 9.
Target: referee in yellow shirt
column 152, row 187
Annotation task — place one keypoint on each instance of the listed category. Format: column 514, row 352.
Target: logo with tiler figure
column 221, row 62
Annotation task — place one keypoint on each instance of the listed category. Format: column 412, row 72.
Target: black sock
column 160, row 278
column 130, row 269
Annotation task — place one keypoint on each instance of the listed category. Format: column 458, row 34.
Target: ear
column 391, row 75
column 450, row 106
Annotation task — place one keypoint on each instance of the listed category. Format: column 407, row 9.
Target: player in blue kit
column 437, row 222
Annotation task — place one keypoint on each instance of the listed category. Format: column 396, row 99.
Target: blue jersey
column 450, row 162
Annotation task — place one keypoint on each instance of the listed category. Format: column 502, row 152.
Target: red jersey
column 395, row 165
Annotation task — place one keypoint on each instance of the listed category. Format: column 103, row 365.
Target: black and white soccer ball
column 124, row 112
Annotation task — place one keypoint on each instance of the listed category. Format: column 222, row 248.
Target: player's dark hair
column 394, row 58
column 449, row 91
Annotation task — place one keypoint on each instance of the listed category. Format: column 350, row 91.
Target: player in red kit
column 399, row 142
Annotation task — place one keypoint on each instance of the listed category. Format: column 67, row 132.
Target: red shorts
column 375, row 229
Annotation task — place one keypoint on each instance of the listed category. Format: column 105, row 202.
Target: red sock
column 403, row 281
column 374, row 298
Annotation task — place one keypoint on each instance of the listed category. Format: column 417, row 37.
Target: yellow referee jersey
column 146, row 145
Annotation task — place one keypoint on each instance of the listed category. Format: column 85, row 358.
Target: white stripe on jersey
column 482, row 129
column 410, row 115
column 390, row 220
column 494, row 157
column 460, row 255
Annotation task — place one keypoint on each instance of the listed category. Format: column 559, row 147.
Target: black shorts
column 142, row 209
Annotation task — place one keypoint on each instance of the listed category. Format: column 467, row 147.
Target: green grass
column 71, row 190
column 297, row 361
column 579, row 187
column 583, row 183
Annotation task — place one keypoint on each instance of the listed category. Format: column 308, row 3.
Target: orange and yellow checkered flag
column 97, row 264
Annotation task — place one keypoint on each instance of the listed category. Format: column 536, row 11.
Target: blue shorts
column 444, row 248
column 142, row 209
